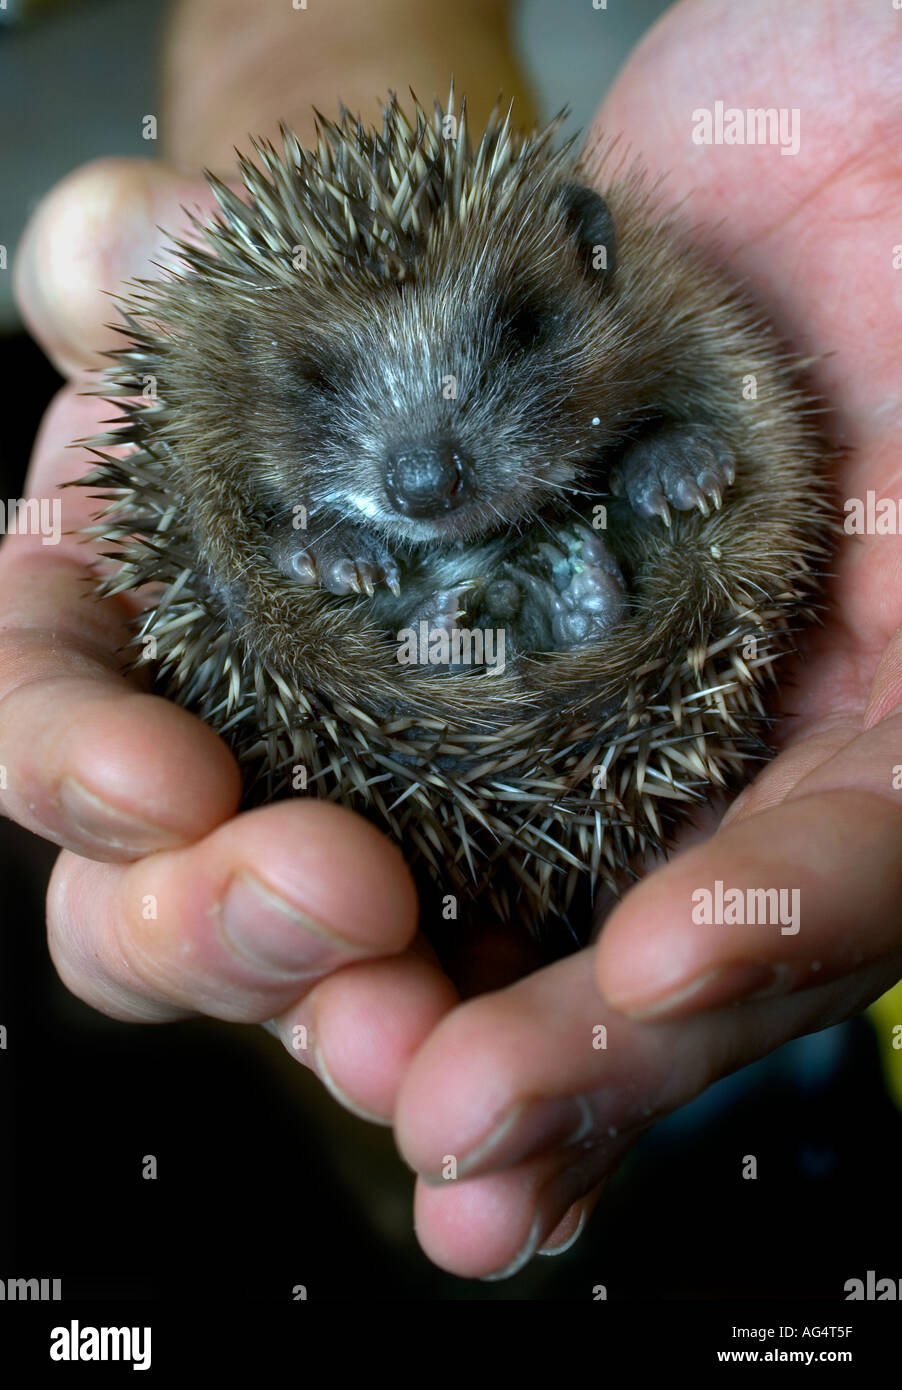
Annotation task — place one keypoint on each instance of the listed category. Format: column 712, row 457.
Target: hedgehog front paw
column 683, row 466
column 345, row 561
column 572, row 591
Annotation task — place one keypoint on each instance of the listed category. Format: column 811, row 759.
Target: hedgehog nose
column 426, row 480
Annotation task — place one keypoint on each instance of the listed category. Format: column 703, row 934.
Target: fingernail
column 557, row 1197
column 570, row 1241
column 723, row 985
column 341, row 1096
column 96, row 822
column 270, row 934
column 522, row 1257
column 529, row 1128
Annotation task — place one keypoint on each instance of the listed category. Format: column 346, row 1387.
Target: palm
column 816, row 251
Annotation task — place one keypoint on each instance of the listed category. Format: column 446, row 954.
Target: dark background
column 263, row 1183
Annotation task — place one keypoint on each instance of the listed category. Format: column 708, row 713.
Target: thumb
column 96, row 229
column 831, row 849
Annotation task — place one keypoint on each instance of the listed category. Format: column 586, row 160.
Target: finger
column 501, row 1079
column 88, row 760
column 514, row 1160
column 491, row 1227
column 813, row 884
column 547, row 1065
column 237, row 926
column 361, row 1026
column 96, row 229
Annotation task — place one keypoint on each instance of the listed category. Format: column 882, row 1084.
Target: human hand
column 510, row 1083
column 140, row 794
column 163, row 901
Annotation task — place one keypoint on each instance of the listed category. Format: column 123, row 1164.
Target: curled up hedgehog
column 475, row 499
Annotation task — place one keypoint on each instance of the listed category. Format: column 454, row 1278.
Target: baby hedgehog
column 474, row 498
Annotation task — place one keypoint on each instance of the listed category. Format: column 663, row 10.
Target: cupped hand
column 531, row 1095
column 164, row 902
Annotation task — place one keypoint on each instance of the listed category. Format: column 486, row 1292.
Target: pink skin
column 509, row 1083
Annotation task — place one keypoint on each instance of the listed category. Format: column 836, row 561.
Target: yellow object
column 886, row 1015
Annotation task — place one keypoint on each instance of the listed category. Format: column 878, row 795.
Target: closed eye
column 525, row 323
column 321, row 374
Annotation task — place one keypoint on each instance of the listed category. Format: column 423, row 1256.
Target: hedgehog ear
column 592, row 226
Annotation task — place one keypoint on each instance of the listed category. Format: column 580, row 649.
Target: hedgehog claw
column 711, row 487
column 348, row 563
column 361, row 577
column 366, row 577
column 304, row 566
column 445, row 608
column 680, row 465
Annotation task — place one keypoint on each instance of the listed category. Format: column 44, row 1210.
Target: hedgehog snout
column 428, row 479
